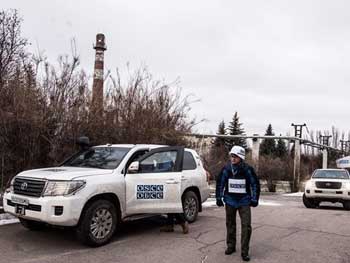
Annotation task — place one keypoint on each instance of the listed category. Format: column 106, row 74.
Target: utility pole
column 344, row 146
column 298, row 129
column 255, row 152
column 298, row 132
column 325, row 141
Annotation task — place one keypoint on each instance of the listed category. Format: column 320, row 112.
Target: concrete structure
column 296, row 170
column 255, row 152
column 297, row 149
column 278, row 186
column 200, row 144
column 97, row 87
column 324, row 159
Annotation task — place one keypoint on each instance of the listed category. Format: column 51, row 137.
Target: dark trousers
column 246, row 228
column 178, row 218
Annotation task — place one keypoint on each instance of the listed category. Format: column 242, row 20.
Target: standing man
column 239, row 188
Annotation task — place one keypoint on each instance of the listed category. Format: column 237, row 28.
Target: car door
column 156, row 186
column 190, row 176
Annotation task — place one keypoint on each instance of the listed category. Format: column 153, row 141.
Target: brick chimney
column 97, row 87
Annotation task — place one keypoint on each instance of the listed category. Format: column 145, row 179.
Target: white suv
column 102, row 186
column 329, row 185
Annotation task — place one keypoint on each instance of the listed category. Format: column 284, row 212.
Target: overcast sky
column 274, row 62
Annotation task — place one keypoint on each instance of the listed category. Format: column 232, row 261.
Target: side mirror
column 83, row 142
column 134, row 167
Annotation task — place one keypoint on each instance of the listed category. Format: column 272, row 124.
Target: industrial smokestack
column 97, row 88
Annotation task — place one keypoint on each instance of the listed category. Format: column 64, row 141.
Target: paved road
column 284, row 231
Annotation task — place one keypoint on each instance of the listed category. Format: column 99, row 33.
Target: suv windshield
column 331, row 174
column 99, row 157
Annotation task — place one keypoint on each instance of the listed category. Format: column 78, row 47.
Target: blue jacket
column 241, row 171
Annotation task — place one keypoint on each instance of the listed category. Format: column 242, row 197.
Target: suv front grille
column 328, row 185
column 29, row 187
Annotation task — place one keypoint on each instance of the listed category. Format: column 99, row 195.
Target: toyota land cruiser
column 102, row 186
column 329, row 185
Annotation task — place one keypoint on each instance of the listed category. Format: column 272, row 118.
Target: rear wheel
column 309, row 202
column 98, row 223
column 190, row 206
column 346, row 205
column 32, row 225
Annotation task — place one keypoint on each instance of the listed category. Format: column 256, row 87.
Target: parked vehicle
column 102, row 186
column 343, row 163
column 330, row 185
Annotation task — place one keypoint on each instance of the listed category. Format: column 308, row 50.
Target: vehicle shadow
column 139, row 227
column 124, row 230
column 330, row 206
column 58, row 239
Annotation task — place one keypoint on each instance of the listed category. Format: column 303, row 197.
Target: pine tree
column 281, row 149
column 235, row 128
column 221, row 131
column 268, row 146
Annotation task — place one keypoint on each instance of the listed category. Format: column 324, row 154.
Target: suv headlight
column 54, row 188
column 9, row 189
column 347, row 185
column 310, row 184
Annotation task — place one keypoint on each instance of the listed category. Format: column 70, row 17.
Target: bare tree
column 12, row 44
column 145, row 109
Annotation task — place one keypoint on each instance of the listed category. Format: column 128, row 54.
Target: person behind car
column 178, row 218
column 239, row 188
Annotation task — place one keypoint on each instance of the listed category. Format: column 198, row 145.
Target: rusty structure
column 97, row 87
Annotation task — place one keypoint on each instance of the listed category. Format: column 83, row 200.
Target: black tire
column 105, row 216
column 190, row 206
column 308, row 202
column 346, row 205
column 32, row 225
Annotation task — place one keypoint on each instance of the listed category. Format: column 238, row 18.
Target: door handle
column 183, row 178
column 171, row 181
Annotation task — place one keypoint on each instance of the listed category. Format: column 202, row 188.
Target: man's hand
column 219, row 202
column 254, row 203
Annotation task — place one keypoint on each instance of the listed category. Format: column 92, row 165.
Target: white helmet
column 239, row 151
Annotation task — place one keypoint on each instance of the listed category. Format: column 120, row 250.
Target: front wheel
column 98, row 223
column 346, row 205
column 190, row 206
column 308, row 202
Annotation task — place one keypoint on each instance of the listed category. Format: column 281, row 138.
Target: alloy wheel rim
column 190, row 207
column 101, row 223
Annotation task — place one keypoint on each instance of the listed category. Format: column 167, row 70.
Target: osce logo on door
column 146, row 191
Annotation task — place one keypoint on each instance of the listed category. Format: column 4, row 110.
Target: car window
column 159, row 162
column 331, row 174
column 135, row 157
column 189, row 162
column 99, row 157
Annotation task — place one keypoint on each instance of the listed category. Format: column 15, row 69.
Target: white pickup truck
column 98, row 188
